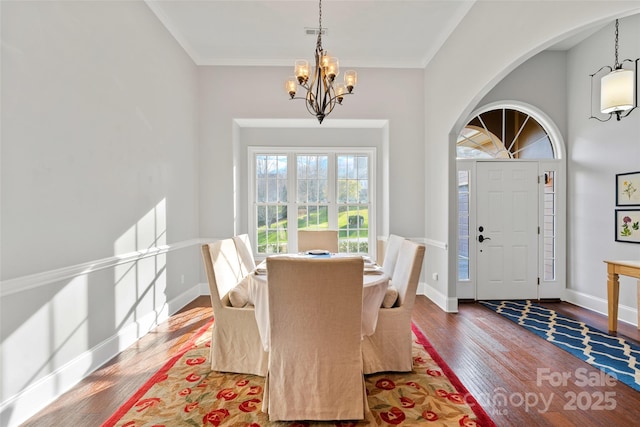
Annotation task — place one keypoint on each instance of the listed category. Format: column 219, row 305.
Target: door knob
column 481, row 238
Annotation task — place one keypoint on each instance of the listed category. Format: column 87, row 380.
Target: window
column 271, row 174
column 463, row 224
column 549, row 228
column 323, row 188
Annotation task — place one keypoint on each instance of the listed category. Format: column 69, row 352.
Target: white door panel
column 507, row 213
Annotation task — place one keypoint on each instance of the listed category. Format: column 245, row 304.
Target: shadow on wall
column 78, row 324
column 140, row 288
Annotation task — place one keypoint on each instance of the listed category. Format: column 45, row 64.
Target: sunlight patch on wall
column 140, row 286
column 48, row 339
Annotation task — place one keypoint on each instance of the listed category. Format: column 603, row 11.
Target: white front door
column 507, row 230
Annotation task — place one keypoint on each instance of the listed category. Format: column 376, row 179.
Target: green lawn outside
column 343, row 226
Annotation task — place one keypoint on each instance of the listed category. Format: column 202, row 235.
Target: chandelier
column 618, row 87
column 323, row 92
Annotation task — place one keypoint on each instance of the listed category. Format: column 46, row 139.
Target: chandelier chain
column 319, row 41
column 617, row 64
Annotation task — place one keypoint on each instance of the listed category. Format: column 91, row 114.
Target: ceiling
column 361, row 33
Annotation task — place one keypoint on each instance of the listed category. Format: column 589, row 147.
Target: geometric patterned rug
column 186, row 392
column 612, row 355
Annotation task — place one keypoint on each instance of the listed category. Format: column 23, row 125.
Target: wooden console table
column 614, row 269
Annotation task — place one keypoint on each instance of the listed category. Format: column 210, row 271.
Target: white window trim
column 252, row 151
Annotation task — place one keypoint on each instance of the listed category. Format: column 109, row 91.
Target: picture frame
column 628, row 189
column 627, row 225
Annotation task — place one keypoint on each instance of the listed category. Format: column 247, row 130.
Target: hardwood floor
column 98, row 396
column 490, row 355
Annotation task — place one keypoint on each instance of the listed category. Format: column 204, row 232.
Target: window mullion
column 332, row 191
column 292, row 200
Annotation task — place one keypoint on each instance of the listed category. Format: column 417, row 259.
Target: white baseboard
column 204, row 289
column 22, row 406
column 626, row 314
column 448, row 304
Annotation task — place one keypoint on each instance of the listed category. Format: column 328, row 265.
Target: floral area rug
column 186, row 392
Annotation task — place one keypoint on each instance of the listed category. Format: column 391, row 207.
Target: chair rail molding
column 31, row 281
column 436, row 243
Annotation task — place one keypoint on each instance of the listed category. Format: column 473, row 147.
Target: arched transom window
column 504, row 133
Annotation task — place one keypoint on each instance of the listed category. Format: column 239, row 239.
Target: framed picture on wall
column 628, row 189
column 628, row 225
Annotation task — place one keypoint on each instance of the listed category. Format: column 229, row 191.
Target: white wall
column 231, row 93
column 487, row 45
column 558, row 83
column 598, row 151
column 541, row 82
column 99, row 146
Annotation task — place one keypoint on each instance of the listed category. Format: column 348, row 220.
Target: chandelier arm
column 629, row 60
column 602, row 120
column 318, row 86
column 627, row 113
column 635, row 87
column 326, row 98
column 592, row 116
column 602, row 68
column 332, row 98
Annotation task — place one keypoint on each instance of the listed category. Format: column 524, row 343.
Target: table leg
column 613, row 293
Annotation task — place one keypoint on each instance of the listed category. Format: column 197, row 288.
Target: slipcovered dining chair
column 235, row 341
column 315, row 360
column 309, row 240
column 391, row 249
column 389, row 348
column 247, row 261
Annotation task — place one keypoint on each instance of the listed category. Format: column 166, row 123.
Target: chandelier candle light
column 618, row 88
column 323, row 92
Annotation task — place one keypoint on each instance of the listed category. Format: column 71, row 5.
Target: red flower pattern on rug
column 186, row 392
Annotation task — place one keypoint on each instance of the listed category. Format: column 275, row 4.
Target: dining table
column 374, row 282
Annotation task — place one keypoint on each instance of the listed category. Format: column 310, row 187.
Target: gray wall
column 250, row 93
column 558, row 83
column 470, row 63
column 99, row 147
column 598, row 151
column 541, row 82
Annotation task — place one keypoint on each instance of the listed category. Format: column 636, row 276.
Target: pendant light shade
column 617, row 91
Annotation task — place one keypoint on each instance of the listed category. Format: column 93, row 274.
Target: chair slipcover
column 315, row 360
column 247, row 261
column 318, row 239
column 391, row 249
column 235, row 341
column 389, row 348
